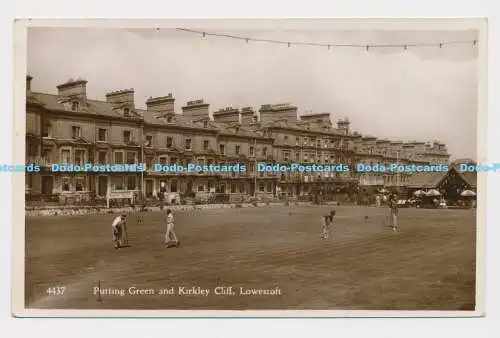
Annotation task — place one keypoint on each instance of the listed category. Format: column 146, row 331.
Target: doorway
column 103, row 186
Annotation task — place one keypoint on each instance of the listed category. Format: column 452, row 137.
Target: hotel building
column 69, row 127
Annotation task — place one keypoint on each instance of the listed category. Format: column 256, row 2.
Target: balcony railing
column 39, row 160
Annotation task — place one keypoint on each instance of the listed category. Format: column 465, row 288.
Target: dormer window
column 75, row 106
column 169, row 119
column 126, row 111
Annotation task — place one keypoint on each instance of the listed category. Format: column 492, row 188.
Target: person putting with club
column 326, row 222
column 170, row 236
column 119, row 228
column 393, row 205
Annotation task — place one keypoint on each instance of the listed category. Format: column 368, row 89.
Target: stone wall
column 73, row 211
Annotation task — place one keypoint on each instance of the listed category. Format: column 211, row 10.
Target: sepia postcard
column 249, row 168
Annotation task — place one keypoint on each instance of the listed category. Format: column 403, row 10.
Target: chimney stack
column 227, row 115
column 269, row 112
column 162, row 104
column 318, row 119
column 343, row 125
column 247, row 115
column 73, row 89
column 196, row 109
column 122, row 100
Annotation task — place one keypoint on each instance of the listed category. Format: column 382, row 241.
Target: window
column 30, row 148
column 269, row 187
column 76, row 132
column 187, row 144
column 28, row 181
column 173, row 160
column 65, row 156
column 297, row 156
column 163, row 186
column 118, row 157
column 163, row 160
column 130, row 157
column 297, row 141
column 149, row 140
column 102, row 135
column 262, row 187
column 169, row 142
column 126, row 112
column 252, row 151
column 46, row 130
column 318, row 143
column 205, row 124
column 286, row 155
column 79, row 157
column 117, row 182
column 222, row 149
column 242, row 188
column 264, row 151
column 173, row 186
column 206, row 145
column 201, row 188
column 130, row 182
column 126, row 136
column 80, row 184
column 233, row 188
column 75, row 106
column 237, row 150
column 211, row 185
column 103, row 157
column 251, row 167
column 169, row 119
column 65, row 184
column 47, row 155
column 286, row 139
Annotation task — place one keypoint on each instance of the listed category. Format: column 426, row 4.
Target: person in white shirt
column 170, row 236
column 119, row 230
column 326, row 222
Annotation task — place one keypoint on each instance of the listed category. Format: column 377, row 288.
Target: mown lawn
column 428, row 265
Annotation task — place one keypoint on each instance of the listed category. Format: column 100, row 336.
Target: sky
column 422, row 93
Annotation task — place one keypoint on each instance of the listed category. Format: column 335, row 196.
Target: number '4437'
column 56, row 290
